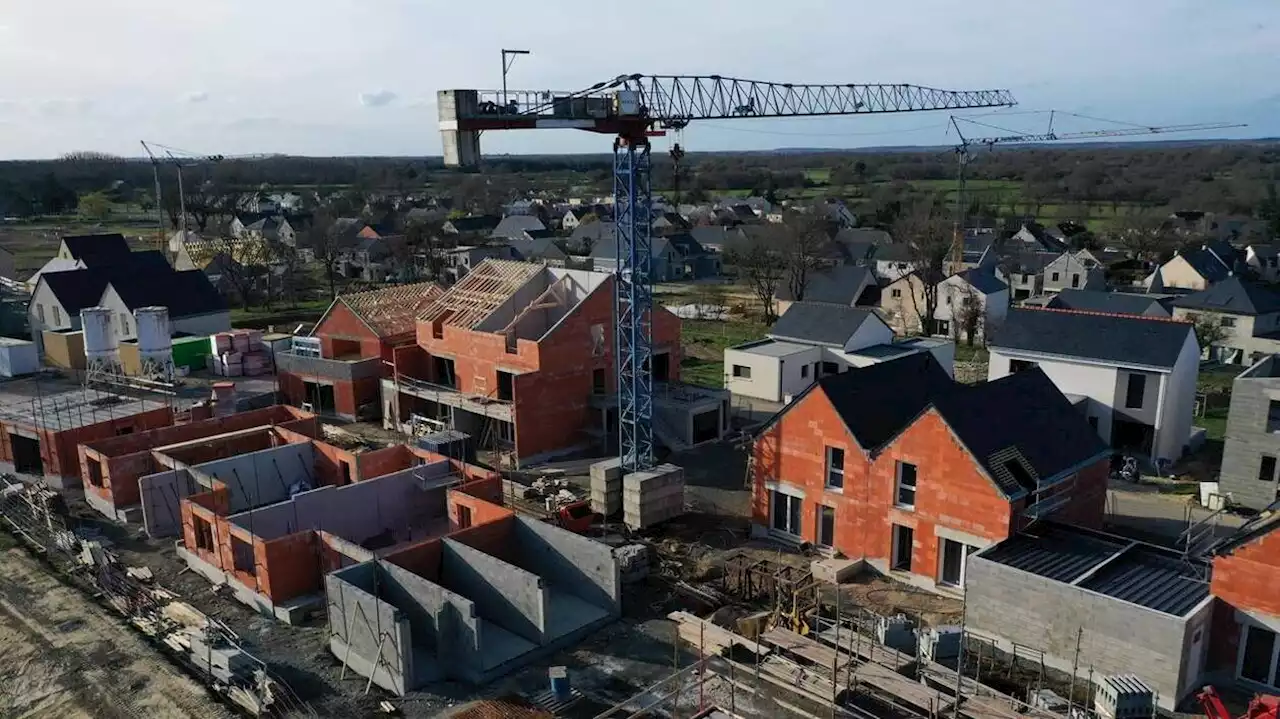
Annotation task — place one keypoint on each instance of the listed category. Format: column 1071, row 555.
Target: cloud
column 379, row 98
column 65, row 107
column 196, row 97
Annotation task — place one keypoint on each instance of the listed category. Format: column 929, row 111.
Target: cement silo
column 155, row 347
column 101, row 346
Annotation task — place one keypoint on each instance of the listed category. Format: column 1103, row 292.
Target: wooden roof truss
column 483, row 290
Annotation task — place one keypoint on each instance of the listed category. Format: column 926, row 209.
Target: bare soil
column 64, row 657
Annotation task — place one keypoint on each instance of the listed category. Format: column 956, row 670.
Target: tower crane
column 634, row 108
column 964, row 156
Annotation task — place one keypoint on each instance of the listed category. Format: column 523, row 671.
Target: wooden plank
column 805, row 648
column 694, row 630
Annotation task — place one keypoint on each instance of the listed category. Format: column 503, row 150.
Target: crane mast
column 633, row 108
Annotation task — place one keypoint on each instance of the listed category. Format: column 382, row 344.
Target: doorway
column 786, row 513
column 953, row 558
column 903, row 539
column 320, row 397
column 826, row 526
column 661, row 367
column 26, row 455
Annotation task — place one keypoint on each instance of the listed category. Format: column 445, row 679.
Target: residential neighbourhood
column 403, row 410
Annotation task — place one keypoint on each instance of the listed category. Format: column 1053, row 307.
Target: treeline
column 1228, row 177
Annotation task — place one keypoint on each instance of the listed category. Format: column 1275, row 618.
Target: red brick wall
column 342, row 333
column 552, row 397
column 1249, row 577
column 423, row 558
column 289, row 566
column 952, row 491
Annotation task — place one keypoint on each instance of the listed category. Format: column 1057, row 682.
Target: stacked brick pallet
column 239, row 353
column 652, row 496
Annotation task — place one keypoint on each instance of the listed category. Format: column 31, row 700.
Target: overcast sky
column 344, row 77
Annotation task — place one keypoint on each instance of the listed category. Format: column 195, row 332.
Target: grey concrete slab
column 504, row 593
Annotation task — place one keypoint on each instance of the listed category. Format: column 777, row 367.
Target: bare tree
column 1209, row 331
column 1146, row 234
column 968, row 314
column 241, row 264
column 325, row 241
column 805, row 251
column 763, row 264
column 422, row 239
column 928, row 233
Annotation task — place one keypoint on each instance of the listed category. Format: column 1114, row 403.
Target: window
column 1273, row 416
column 947, row 300
column 1227, row 322
column 953, row 559
column 506, row 386
column 464, row 516
column 204, row 534
column 943, row 327
column 804, row 371
column 1267, row 469
column 830, row 368
column 40, row 313
column 124, row 323
column 1257, row 658
column 786, row 513
column 1075, row 280
column 95, row 472
column 741, row 371
column 242, row 556
column 903, row 538
column 895, row 293
column 1019, row 365
column 835, row 467
column 905, row 494
column 57, row 315
column 1054, row 277
column 1133, row 394
column 597, row 381
column 826, row 526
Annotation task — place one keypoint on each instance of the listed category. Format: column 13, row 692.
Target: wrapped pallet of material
column 240, row 341
column 18, row 357
column 219, row 343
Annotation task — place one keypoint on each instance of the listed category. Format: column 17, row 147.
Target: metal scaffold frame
column 633, row 299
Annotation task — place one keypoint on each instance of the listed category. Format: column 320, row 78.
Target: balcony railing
column 304, row 364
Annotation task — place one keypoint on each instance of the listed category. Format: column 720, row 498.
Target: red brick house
column 901, row 467
column 336, row 370
column 520, row 356
column 1246, row 581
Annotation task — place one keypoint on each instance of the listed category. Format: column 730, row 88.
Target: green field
column 704, row 343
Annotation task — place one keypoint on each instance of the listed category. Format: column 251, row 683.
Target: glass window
column 905, row 494
column 835, row 467
column 1134, row 393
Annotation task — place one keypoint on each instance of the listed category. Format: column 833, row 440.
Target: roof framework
column 480, row 293
column 391, row 311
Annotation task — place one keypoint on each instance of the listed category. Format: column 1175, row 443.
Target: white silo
column 101, row 346
column 155, row 348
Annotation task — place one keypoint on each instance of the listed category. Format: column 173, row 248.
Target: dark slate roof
column 78, row 289
column 686, row 244
column 513, row 225
column 820, row 323
column 837, row 285
column 475, row 223
column 94, row 248
column 984, row 281
column 1235, row 296
column 1027, row 263
column 1206, row 264
column 1108, row 338
column 876, row 402
column 1022, row 419
column 893, row 252
column 594, row 232
column 184, row 293
column 1224, row 251
column 1142, row 574
column 1120, row 303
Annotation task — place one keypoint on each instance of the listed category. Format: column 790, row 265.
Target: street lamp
column 506, row 65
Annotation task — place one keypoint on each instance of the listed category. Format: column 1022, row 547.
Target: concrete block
column 835, row 571
column 606, row 471
column 651, row 479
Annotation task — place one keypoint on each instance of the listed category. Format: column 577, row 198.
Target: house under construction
column 520, row 357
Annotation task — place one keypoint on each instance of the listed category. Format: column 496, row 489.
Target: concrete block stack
column 652, row 496
column 606, row 487
column 633, row 562
column 238, row 353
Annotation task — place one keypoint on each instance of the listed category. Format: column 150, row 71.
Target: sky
column 359, row 77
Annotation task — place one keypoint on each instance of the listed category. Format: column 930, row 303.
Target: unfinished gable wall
column 580, row 566
column 342, row 333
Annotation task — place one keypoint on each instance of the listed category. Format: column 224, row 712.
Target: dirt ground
column 64, row 657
